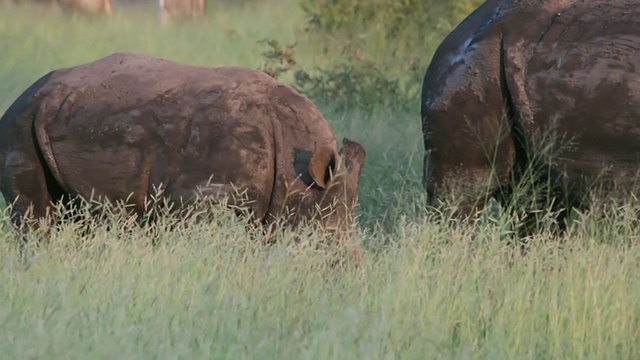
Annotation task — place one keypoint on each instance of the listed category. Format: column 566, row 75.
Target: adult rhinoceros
column 125, row 124
column 552, row 86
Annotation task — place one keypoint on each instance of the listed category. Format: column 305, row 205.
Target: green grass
column 211, row 290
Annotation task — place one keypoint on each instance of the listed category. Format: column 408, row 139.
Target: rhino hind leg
column 539, row 201
column 536, row 189
column 28, row 186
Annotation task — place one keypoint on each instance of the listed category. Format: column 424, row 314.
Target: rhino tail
column 44, row 117
column 514, row 95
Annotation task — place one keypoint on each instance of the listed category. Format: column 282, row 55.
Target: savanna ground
column 210, row 290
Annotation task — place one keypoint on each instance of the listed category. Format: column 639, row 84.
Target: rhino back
column 536, row 63
column 129, row 122
column 453, row 54
column 581, row 81
column 469, row 56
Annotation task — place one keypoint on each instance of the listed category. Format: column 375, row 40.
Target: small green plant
column 354, row 83
column 278, row 60
column 383, row 47
column 349, row 85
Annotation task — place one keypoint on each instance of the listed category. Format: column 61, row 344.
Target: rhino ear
column 322, row 165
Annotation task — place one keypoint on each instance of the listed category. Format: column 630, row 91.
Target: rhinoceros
column 125, row 125
column 545, row 89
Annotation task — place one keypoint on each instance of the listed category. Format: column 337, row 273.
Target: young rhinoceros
column 126, row 124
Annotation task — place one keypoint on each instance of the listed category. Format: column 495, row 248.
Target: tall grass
column 210, row 290
column 205, row 290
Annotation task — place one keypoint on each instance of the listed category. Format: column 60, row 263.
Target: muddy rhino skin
column 126, row 124
column 517, row 77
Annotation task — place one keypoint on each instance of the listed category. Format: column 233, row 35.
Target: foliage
column 365, row 74
column 350, row 85
column 347, row 85
column 278, row 60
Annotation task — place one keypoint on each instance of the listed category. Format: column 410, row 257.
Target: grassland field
column 209, row 290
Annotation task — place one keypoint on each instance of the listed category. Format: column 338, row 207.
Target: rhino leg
column 470, row 151
column 536, row 184
column 27, row 185
column 25, row 181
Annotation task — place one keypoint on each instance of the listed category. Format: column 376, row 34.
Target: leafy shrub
column 351, row 84
column 278, row 60
column 348, row 85
column 382, row 48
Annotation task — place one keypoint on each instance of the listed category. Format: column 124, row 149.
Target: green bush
column 381, row 47
column 350, row 84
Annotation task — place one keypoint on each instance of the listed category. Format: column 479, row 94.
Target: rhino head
column 336, row 176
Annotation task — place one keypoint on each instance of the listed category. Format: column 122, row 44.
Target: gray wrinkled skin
column 126, row 124
column 514, row 71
